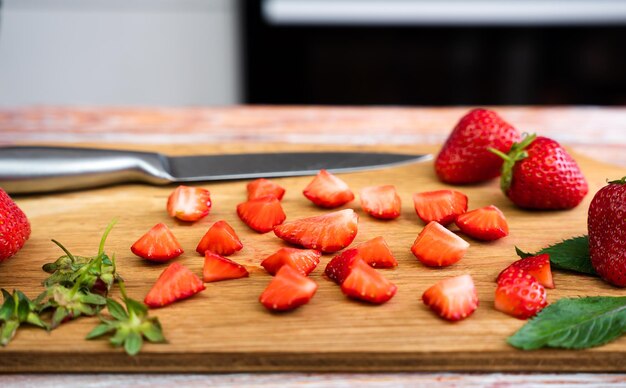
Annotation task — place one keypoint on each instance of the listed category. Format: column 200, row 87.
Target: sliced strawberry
column 381, row 202
column 376, row 253
column 365, row 283
column 218, row 268
column 519, row 294
column 189, row 203
column 220, row 239
column 340, row 266
column 304, row 260
column 158, row 244
column 327, row 233
column 537, row 266
column 442, row 206
column 261, row 214
column 262, row 187
column 436, row 246
column 487, row 223
column 175, row 283
column 326, row 190
column 287, row 290
column 452, row 298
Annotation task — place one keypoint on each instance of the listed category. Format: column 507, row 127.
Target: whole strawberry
column 539, row 174
column 465, row 158
column 607, row 232
column 14, row 227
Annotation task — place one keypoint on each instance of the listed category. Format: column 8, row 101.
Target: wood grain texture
column 225, row 328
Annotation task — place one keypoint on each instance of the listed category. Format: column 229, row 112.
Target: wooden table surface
column 594, row 131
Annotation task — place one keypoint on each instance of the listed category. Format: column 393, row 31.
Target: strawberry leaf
column 116, row 310
column 570, row 255
column 99, row 330
column 574, row 323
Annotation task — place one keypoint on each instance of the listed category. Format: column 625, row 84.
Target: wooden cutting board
column 226, row 329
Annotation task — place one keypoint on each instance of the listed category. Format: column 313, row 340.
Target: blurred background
column 342, row 52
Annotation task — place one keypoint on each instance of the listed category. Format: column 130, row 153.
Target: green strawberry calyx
column 516, row 153
column 619, row 181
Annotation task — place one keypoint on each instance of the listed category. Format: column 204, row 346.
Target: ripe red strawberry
column 304, row 260
column 287, row 290
column 327, row 190
column 220, row 239
column 340, row 266
column 14, row 227
column 175, row 283
column 607, row 232
column 218, row 268
column 487, row 223
column 539, row 174
column 465, row 158
column 381, row 202
column 452, row 298
column 158, row 244
column 327, row 233
column 189, row 203
column 537, row 267
column 436, row 246
column 367, row 284
column 519, row 294
column 261, row 214
column 262, row 187
column 376, row 253
column 443, row 206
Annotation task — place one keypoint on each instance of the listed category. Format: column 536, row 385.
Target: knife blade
column 31, row 169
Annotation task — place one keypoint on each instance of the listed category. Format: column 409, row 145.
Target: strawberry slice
column 519, row 294
column 262, row 187
column 340, row 266
column 436, row 246
column 376, row 253
column 452, row 298
column 442, row 206
column 367, row 284
column 327, row 190
column 220, row 239
column 327, row 233
column 218, row 268
column 287, row 290
column 158, row 244
column 261, row 214
column 175, row 283
column 487, row 223
column 304, row 260
column 189, row 203
column 381, row 202
column 537, row 266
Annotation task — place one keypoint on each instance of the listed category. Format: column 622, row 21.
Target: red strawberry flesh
column 175, row 283
column 452, row 298
column 442, row 206
column 303, row 260
column 189, row 203
column 14, row 227
column 328, row 191
column 519, row 294
column 287, row 290
column 487, row 223
column 220, row 239
column 381, row 202
column 158, row 244
column 218, row 268
column 367, row 284
column 436, row 246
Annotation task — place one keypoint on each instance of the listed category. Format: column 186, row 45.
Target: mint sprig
column 17, row 309
column 574, row 323
column 570, row 255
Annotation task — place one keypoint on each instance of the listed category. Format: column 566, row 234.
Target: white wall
column 119, row 52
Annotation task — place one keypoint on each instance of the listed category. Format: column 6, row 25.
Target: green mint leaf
column 570, row 255
column 133, row 343
column 116, row 310
column 574, row 323
column 99, row 330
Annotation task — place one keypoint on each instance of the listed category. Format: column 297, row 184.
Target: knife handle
column 43, row 169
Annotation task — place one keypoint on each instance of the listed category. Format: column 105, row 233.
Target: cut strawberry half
column 218, row 268
column 189, row 203
column 261, row 214
column 367, row 284
column 436, row 246
column 327, row 233
column 220, row 239
column 381, row 202
column 443, row 206
column 376, row 253
column 326, row 190
column 487, row 223
column 340, row 266
column 175, row 283
column 519, row 294
column 452, row 298
column 287, row 290
column 537, row 266
column 158, row 244
column 262, row 187
column 303, row 260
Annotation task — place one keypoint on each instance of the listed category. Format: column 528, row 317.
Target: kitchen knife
column 27, row 169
